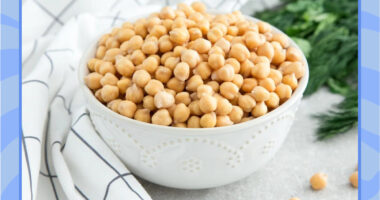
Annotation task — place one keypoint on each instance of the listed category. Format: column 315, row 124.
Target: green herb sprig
column 326, row 31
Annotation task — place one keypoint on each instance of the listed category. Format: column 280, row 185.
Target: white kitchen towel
column 63, row 157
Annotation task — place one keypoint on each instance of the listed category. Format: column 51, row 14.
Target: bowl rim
column 90, row 97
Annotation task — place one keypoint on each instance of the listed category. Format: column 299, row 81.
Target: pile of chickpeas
column 187, row 68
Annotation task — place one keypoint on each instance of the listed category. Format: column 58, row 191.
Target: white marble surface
column 288, row 173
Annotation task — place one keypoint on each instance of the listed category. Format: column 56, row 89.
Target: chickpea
column 92, row 80
column 190, row 57
column 236, row 114
column 275, row 75
column 106, row 67
column 214, row 34
column 253, row 40
column 246, row 68
column 201, row 45
column 318, row 181
column 108, row 79
column 232, row 30
column 195, row 108
column 234, row 63
column 182, row 71
column 124, row 66
column 112, row 43
column 193, row 122
column 261, row 70
column 266, row 50
column 238, row 80
column 226, row 73
column 229, row 90
column 216, row 50
column 216, row 61
column 249, row 84
column 240, row 52
column 181, row 113
column 164, row 44
column 98, row 95
column 162, row 117
column 183, row 97
column 283, row 91
column 261, row 59
column 268, row 84
column 153, row 86
column 180, row 125
column 166, row 56
column 163, row 99
column 279, row 55
column 354, row 179
column 150, row 64
column 214, row 85
column 141, row 78
column 259, row 93
column 264, row 27
column 167, row 13
column 193, row 83
column 224, row 107
column 103, row 39
column 204, row 26
column 195, row 33
column 142, row 115
column 109, row 93
column 207, row 103
column 148, row 102
column 171, row 62
column 294, row 67
column 223, row 121
column 203, row 70
column 282, row 39
column 91, row 64
column 179, row 35
column 176, row 84
column 198, row 6
column 158, row 30
column 259, row 110
column 134, row 94
column 179, row 22
column 208, row 120
column 114, row 104
column 293, row 54
column 100, row 52
column 134, row 43
column 224, row 44
column 245, row 119
column 111, row 54
column 246, row 102
column 127, row 108
column 243, row 26
column 290, row 80
column 163, row 74
column 150, row 46
column 204, row 90
column 273, row 101
column 238, row 40
column 123, row 84
column 137, row 57
column 295, row 198
column 185, row 8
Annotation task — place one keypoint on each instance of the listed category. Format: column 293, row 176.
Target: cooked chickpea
column 259, row 110
column 354, row 179
column 236, row 114
column 239, row 51
column 204, row 26
column 114, row 104
column 182, row 71
column 142, row 115
column 193, row 122
column 229, row 90
column 183, row 97
column 208, row 120
column 224, row 107
column 180, row 125
column 261, row 70
column 162, row 117
column 203, row 70
column 150, row 46
column 195, row 33
column 282, row 39
column 214, row 85
column 141, row 78
column 216, row 61
column 259, row 93
column 181, row 113
column 266, row 50
column 176, row 85
column 290, row 80
column 238, row 80
column 195, row 108
column 268, row 84
column 108, row 79
column 106, row 67
column 148, row 102
column 124, row 66
column 234, row 63
column 223, row 121
column 253, row 40
column 112, row 43
column 204, row 90
column 134, row 94
column 164, row 44
column 158, row 30
column 246, row 102
column 100, row 52
column 318, row 181
column 294, row 67
column 238, row 40
column 163, row 99
column 127, row 108
column 123, row 84
column 109, row 93
column 167, row 13
column 201, row 45
column 294, row 198
column 263, row 27
column 137, row 57
column 153, row 86
column 224, row 44
column 273, row 100
column 249, row 84
column 193, row 83
column 92, row 80
column 275, row 75
column 214, row 34
column 134, row 43
column 171, row 62
column 283, row 91
column 207, row 103
column 190, row 57
column 293, row 54
column 163, row 74
column 179, row 35
column 226, row 73
column 279, row 55
column 246, row 68
column 198, row 6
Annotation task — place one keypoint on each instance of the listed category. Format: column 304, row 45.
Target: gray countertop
column 287, row 174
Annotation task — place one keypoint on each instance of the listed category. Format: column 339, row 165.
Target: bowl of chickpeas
column 193, row 99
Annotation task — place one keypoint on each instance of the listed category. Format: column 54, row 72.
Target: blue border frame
column 10, row 75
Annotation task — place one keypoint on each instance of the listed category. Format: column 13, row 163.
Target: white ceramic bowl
column 192, row 158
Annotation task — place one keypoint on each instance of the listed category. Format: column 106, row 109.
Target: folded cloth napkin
column 63, row 157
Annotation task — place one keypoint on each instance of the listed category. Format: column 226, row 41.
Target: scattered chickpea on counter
column 185, row 67
column 318, row 181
